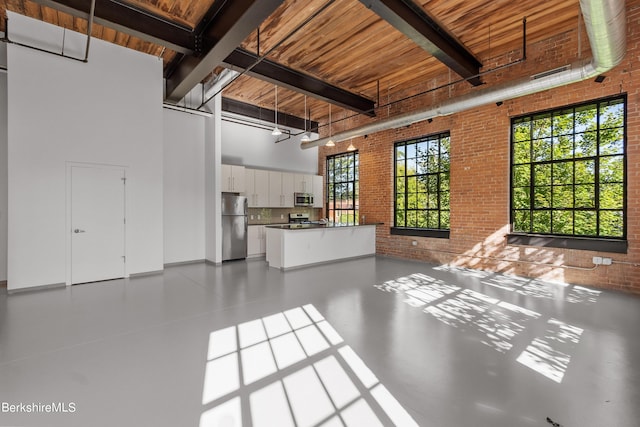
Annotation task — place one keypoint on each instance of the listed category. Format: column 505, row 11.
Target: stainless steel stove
column 299, row 218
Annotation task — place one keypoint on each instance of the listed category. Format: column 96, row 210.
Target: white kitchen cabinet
column 233, row 179
column 257, row 188
column 318, row 191
column 288, row 189
column 281, row 189
column 256, row 241
column 303, row 183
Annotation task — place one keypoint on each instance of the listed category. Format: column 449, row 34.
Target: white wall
column 106, row 111
column 184, row 185
column 3, row 162
column 256, row 147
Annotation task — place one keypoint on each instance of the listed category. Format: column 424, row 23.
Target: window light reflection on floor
column 498, row 322
column 296, row 371
column 550, row 355
column 525, row 286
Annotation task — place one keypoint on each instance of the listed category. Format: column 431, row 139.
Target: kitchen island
column 297, row 245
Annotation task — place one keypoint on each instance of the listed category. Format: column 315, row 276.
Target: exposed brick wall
column 480, row 167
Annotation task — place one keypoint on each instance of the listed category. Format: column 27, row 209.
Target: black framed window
column 343, row 188
column 568, row 171
column 421, row 187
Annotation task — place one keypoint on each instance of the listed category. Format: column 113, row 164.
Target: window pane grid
column 342, row 204
column 422, row 183
column 568, row 171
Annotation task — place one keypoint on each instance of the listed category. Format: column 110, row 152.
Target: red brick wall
column 480, row 168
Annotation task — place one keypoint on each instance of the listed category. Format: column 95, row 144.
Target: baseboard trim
column 36, row 288
column 297, row 267
column 146, row 273
column 173, row 264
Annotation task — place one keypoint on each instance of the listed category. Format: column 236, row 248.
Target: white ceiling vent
column 551, row 72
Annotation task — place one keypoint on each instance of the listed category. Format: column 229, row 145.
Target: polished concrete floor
column 373, row 341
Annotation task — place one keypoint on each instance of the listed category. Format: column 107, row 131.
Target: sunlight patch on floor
column 497, row 322
column 550, row 355
column 296, row 371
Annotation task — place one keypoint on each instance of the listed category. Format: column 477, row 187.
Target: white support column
column 213, row 161
column 4, row 162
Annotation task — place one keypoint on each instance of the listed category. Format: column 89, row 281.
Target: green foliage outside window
column 422, row 183
column 343, row 188
column 568, row 171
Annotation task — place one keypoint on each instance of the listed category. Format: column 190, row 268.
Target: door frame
column 68, row 222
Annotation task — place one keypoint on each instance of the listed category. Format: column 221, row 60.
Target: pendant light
column 276, row 131
column 330, row 142
column 305, row 137
column 351, row 147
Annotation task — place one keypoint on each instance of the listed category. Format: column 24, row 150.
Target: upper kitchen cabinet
column 257, row 188
column 303, row 183
column 233, row 179
column 281, row 189
column 318, row 191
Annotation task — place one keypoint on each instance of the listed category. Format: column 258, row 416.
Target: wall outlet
column 258, row 216
column 606, row 261
column 597, row 260
column 281, row 216
column 251, row 216
column 414, row 243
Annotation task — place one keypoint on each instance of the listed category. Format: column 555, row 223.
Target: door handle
column 77, row 230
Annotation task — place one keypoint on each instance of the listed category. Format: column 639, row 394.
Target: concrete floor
column 374, row 341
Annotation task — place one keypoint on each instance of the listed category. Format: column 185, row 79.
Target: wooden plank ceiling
column 346, row 45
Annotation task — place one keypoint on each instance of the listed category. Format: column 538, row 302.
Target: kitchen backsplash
column 259, row 216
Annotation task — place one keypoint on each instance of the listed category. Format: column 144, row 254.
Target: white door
column 97, row 223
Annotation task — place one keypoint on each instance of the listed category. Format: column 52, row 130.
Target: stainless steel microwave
column 303, row 199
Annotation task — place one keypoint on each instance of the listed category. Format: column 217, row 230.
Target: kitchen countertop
column 313, row 226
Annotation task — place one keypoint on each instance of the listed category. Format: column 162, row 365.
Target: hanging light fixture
column 330, row 142
column 276, row 131
column 351, row 147
column 305, row 137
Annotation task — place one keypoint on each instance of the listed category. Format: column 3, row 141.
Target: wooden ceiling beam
column 289, row 78
column 156, row 29
column 131, row 20
column 412, row 21
column 230, row 26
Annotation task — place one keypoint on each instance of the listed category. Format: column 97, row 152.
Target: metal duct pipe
column 605, row 22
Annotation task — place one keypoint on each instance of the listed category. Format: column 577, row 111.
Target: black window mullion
column 431, row 172
column 347, row 162
column 438, row 181
column 592, row 132
column 405, row 206
column 532, row 199
column 597, row 170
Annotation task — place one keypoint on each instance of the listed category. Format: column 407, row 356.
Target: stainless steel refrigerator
column 234, row 227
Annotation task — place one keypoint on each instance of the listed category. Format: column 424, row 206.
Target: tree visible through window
column 343, row 188
column 568, row 171
column 422, row 182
